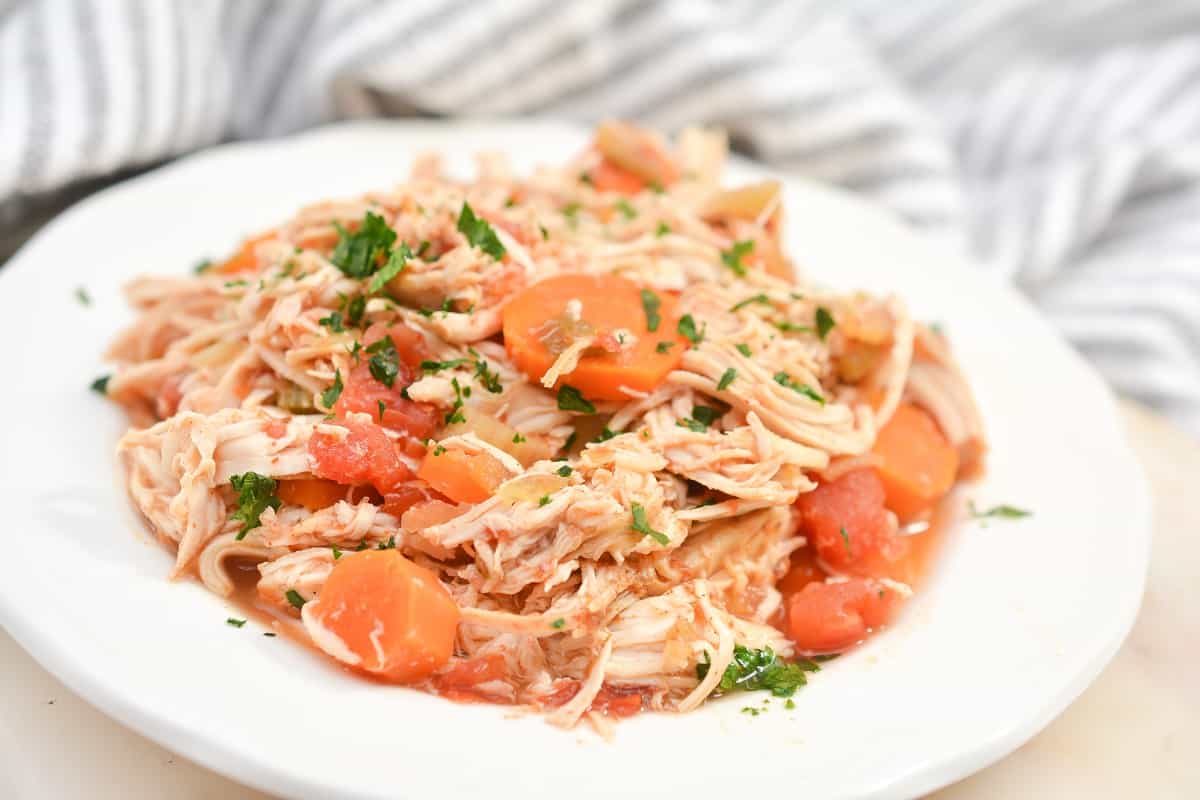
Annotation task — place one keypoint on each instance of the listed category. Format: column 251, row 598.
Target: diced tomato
column 804, row 570
column 363, row 394
column 462, row 680
column 831, row 617
column 618, row 701
column 384, row 615
column 365, row 455
column 402, row 498
column 847, row 524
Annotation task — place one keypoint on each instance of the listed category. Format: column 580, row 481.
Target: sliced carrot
column 831, row 617
column 537, row 320
column 461, row 477
column 917, row 463
column 608, row 177
column 383, row 614
column 428, row 513
column 312, row 493
column 245, row 259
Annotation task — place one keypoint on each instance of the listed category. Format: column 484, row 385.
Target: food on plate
column 578, row 441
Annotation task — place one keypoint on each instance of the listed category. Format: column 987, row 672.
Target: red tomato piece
column 462, row 680
column 363, row 394
column 365, row 455
column 847, row 524
column 831, row 617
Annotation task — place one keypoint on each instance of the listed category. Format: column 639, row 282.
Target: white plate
column 1016, row 621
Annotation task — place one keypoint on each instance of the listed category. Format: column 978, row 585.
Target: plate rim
column 54, row 654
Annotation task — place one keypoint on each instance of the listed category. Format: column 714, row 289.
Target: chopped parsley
column 396, row 262
column 662, row 230
column 295, row 599
column 337, row 552
column 385, row 361
column 331, row 395
column 81, row 294
column 455, row 414
column 256, row 493
column 382, row 408
column 357, row 254
column 235, row 284
column 571, row 212
column 650, row 304
column 479, row 233
column 846, row 541
column 687, row 329
column 234, row 622
column 438, row 366
column 732, row 257
column 268, row 633
column 586, row 179
column 544, row 500
column 783, row 379
column 640, row 525
column 488, row 378
column 100, row 385
column 355, row 308
column 790, row 704
column 824, row 321
column 422, row 248
column 545, row 233
column 791, row 327
column 437, row 451
column 664, row 347
column 203, row 266
column 390, row 544
column 758, row 298
column 627, row 211
column 744, row 349
column 571, row 399
column 997, row 512
column 727, row 378
column 604, row 435
column 753, row 670
column 446, row 307
column 558, row 623
column 334, row 322
column 518, row 439
column 564, row 471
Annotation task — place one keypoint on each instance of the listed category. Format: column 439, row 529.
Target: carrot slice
column 537, row 320
column 245, row 260
column 461, row 477
column 312, row 493
column 917, row 463
column 383, row 614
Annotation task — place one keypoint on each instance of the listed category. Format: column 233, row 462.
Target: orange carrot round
column 538, row 324
column 916, row 463
column 462, row 477
column 384, row 615
column 312, row 493
column 245, row 260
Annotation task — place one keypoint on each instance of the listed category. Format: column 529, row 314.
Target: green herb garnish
column 727, row 377
column 571, row 399
column 650, row 304
column 385, row 361
column 564, row 471
column 357, row 254
column 997, row 512
column 642, row 526
column 662, row 230
column 663, row 347
column 334, row 322
column 783, row 379
column 331, row 395
column 256, row 493
column 824, row 321
column 479, row 233
column 687, row 329
column 234, row 622
column 754, row 670
column 758, row 298
column 395, row 264
column 627, row 211
column 744, row 349
column 295, row 599
column 732, row 257
column 100, row 385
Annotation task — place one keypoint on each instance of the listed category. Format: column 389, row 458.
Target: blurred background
column 1056, row 143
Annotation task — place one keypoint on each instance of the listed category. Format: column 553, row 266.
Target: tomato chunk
column 385, row 615
column 364, row 455
column 363, row 394
column 847, row 524
column 461, row 682
column 831, row 617
column 312, row 493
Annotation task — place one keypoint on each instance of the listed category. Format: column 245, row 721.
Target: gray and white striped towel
column 1057, row 142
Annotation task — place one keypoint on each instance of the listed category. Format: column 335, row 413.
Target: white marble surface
column 1134, row 733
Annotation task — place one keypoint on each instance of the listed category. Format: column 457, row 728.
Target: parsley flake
column 385, row 361
column 397, row 261
column 662, row 230
column 732, row 257
column 544, row 500
column 727, row 378
column 744, row 349
column 564, row 471
column 846, row 541
column 234, row 622
column 997, row 512
column 571, row 399
column 479, row 233
column 650, row 304
column 558, row 623
column 295, row 599
column 81, row 294
column 331, row 395
column 687, row 329
column 357, row 254
column 627, row 211
column 100, row 385
column 333, row 322
column 438, row 366
column 824, row 322
column 754, row 670
column 758, row 298
column 783, row 379
column 256, row 493
column 663, row 346
column 642, row 526
column 518, row 439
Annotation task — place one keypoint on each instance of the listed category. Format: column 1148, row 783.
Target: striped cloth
column 1058, row 143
